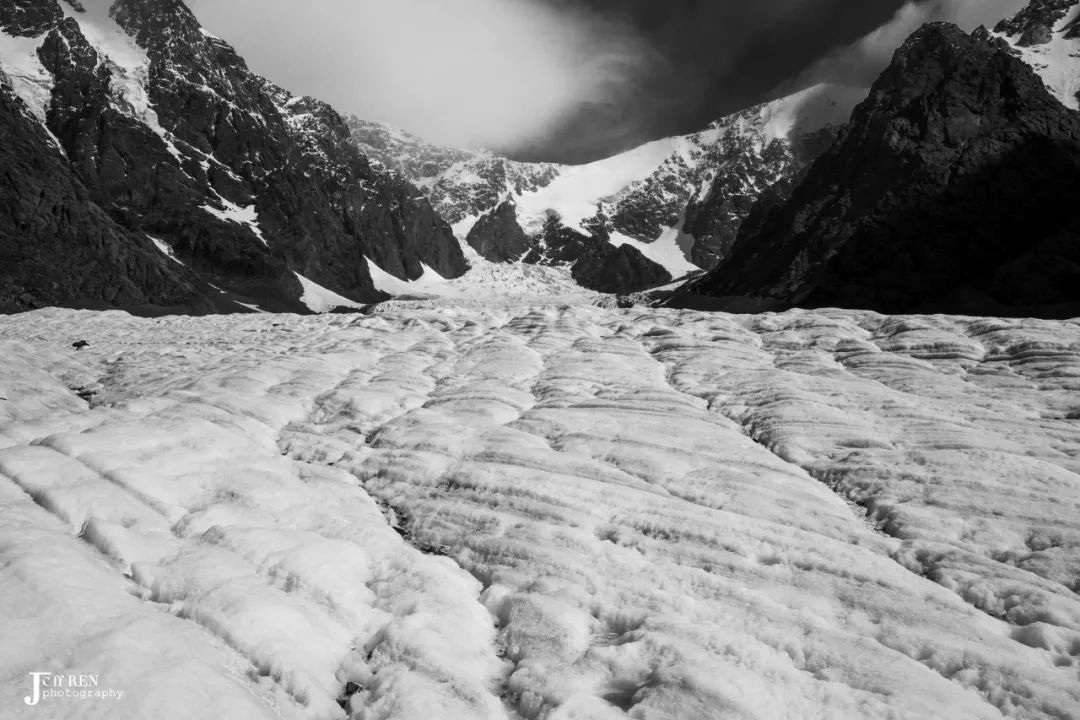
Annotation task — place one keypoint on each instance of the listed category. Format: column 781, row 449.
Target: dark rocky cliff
column 246, row 184
column 497, row 236
column 59, row 248
column 952, row 189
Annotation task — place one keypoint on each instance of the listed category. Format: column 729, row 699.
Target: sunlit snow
column 496, row 509
column 165, row 249
column 429, row 283
column 578, row 192
column 575, row 193
column 21, row 68
column 669, row 251
column 128, row 64
column 1056, row 61
column 321, row 300
column 231, row 212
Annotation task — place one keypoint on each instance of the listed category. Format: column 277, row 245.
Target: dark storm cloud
column 715, row 57
column 571, row 80
column 860, row 62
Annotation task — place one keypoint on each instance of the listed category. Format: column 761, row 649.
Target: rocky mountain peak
column 934, row 75
column 202, row 164
column 158, row 25
column 460, row 183
column 952, row 189
column 498, row 237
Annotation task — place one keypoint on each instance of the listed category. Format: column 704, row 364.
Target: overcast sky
column 569, row 80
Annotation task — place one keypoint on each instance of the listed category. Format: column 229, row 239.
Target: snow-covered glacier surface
column 464, row 510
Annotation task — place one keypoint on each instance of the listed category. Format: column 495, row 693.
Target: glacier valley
column 496, row 508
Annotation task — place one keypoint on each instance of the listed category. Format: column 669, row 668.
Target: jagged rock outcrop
column 175, row 138
column 715, row 219
column 621, row 269
column 465, row 184
column 952, row 189
column 1035, row 23
column 498, row 237
column 459, row 183
column 702, row 184
column 58, row 248
column 749, row 169
column 28, row 18
column 595, row 262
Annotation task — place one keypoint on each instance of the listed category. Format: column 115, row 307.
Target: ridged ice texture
column 598, row 514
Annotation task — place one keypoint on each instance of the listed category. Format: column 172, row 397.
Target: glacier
column 492, row 507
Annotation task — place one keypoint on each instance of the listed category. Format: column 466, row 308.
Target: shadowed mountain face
column 953, row 189
column 57, row 247
column 173, row 138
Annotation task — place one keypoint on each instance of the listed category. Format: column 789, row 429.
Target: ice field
column 467, row 510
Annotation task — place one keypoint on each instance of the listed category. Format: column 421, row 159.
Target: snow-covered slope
column 644, row 193
column 669, row 171
column 598, row 514
column 639, row 198
column 128, row 64
column 1046, row 34
column 460, row 183
column 23, row 71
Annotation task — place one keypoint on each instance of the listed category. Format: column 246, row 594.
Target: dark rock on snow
column 596, row 263
column 498, row 236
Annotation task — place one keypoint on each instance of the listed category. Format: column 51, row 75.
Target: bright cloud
column 493, row 73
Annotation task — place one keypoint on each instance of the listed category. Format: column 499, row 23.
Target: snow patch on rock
column 128, row 63
column 22, row 69
column 231, row 212
column 321, row 300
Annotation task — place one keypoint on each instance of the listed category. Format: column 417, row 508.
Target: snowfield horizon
column 496, row 508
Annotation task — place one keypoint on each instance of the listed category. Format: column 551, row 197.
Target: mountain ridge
column 176, row 139
column 952, row 189
column 669, row 207
column 249, row 197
